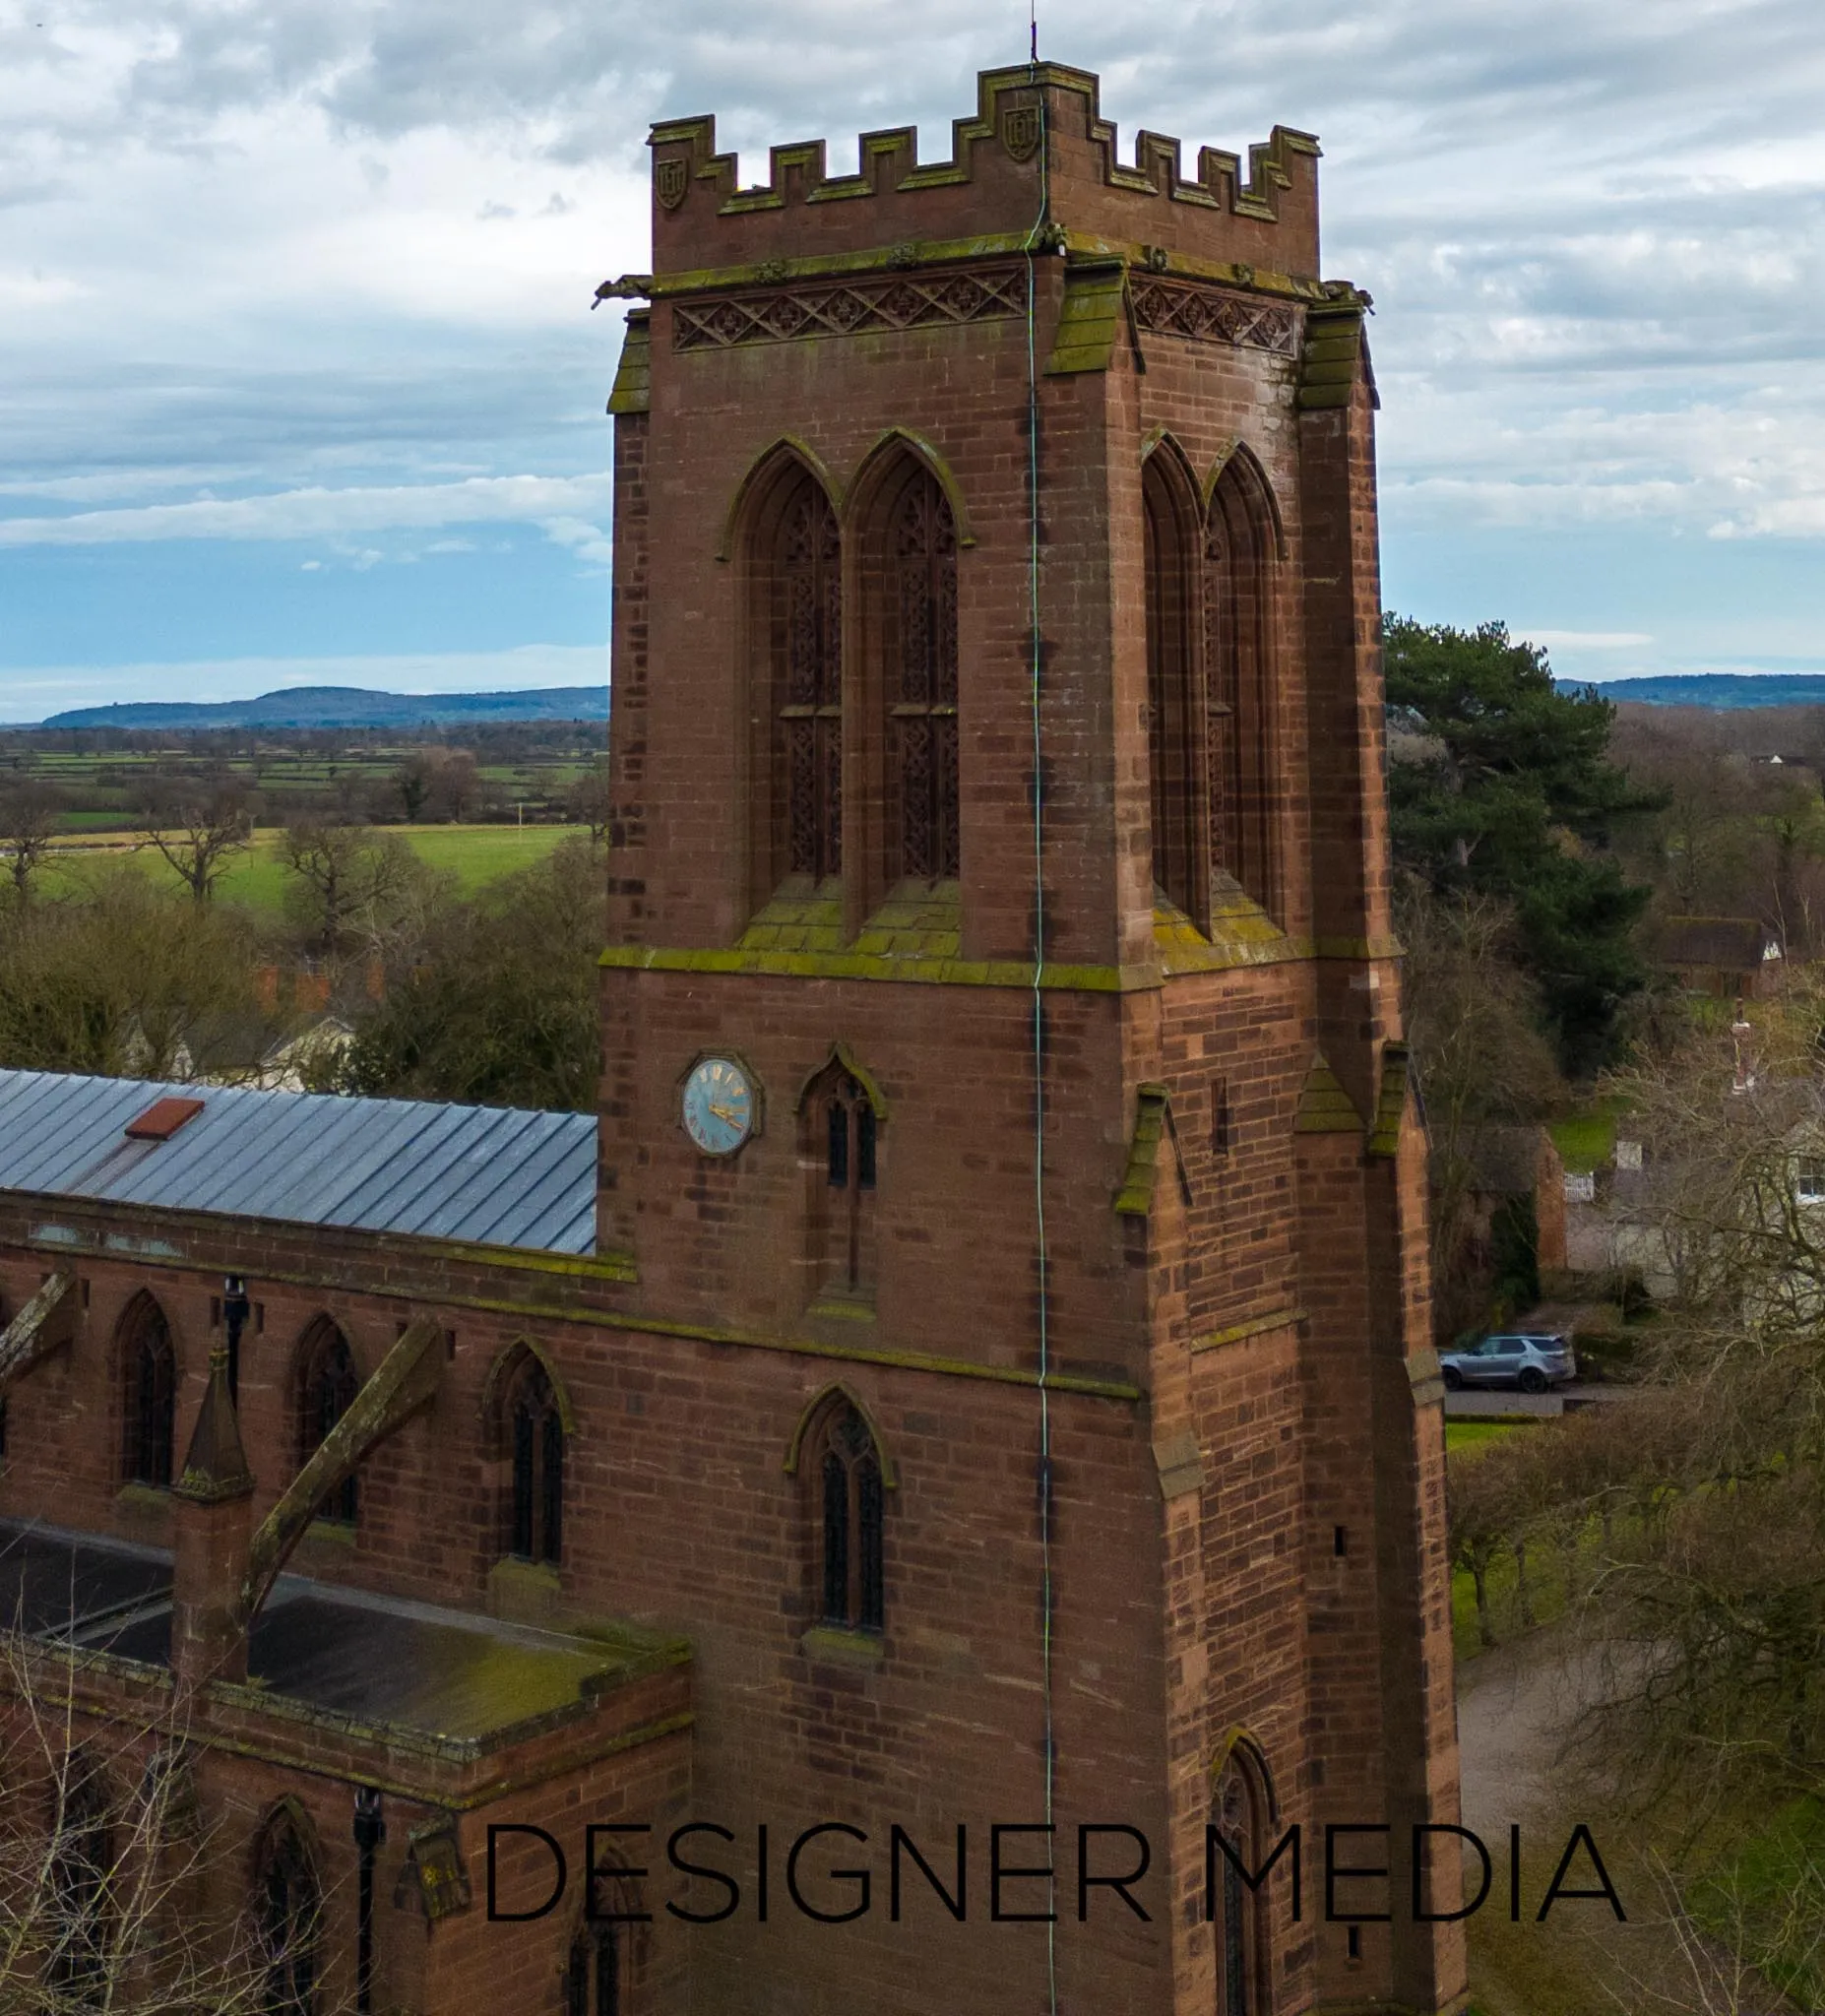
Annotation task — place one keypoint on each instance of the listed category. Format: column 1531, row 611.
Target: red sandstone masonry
column 1229, row 1358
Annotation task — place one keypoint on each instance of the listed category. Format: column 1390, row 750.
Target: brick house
column 978, row 1375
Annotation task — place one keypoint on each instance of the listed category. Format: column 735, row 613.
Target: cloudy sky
column 298, row 381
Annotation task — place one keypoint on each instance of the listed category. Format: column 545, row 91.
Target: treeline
column 381, row 977
column 96, row 778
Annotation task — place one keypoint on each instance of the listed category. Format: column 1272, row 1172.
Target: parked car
column 1531, row 1360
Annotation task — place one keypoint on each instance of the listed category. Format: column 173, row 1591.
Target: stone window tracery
column 150, row 1367
column 1245, row 1976
column 921, row 683
column 81, row 1865
column 592, row 1973
column 841, row 1156
column 327, row 1386
column 808, row 650
column 1175, row 729
column 851, row 1503
column 288, row 1921
column 535, row 1430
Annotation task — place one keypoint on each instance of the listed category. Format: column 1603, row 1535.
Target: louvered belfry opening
column 921, row 629
column 805, row 598
column 1239, row 552
column 1174, row 735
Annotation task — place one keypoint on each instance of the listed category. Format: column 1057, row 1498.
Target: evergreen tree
column 1505, row 788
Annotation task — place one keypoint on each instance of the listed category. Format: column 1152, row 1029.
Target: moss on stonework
column 1325, row 1107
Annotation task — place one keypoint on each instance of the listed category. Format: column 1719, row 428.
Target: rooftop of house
column 1728, row 944
column 380, row 1662
column 482, row 1174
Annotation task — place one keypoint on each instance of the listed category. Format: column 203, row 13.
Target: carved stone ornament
column 1021, row 130
column 671, row 180
column 849, row 307
column 1208, row 314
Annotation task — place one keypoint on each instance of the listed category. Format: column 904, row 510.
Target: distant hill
column 344, row 707
column 1715, row 689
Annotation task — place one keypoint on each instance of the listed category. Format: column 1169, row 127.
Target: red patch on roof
column 163, row 1118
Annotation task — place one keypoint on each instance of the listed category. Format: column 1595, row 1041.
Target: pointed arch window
column 841, row 1159
column 1240, row 549
column 327, row 1386
column 921, row 683
column 81, row 1869
column 1244, row 1975
column 592, row 1973
column 288, row 1919
column 1174, row 726
column 852, row 1502
column 150, row 1365
column 805, row 621
column 535, row 1438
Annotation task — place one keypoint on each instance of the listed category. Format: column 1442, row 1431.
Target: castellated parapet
column 1036, row 153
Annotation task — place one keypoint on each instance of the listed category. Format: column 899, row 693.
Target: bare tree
column 588, row 803
column 348, row 880
column 29, row 809
column 1472, row 1018
column 107, row 1864
column 199, row 824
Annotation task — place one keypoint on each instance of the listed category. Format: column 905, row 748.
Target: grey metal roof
column 484, row 1173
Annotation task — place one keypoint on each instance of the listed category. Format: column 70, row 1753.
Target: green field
column 475, row 856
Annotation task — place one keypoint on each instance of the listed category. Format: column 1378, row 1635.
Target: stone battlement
column 1037, row 151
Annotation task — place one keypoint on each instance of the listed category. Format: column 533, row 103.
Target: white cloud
column 319, row 513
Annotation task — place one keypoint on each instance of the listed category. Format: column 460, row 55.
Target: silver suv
column 1532, row 1360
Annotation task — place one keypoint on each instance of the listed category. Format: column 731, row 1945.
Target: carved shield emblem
column 670, row 179
column 1021, row 128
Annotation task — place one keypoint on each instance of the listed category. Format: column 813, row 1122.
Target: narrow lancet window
column 807, row 619
column 921, row 686
column 151, row 1396
column 535, row 1525
column 853, row 1580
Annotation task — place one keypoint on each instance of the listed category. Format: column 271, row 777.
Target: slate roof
column 482, row 1173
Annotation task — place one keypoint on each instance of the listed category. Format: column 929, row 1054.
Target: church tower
column 1003, row 1088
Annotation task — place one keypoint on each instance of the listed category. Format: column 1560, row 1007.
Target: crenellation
column 1037, row 153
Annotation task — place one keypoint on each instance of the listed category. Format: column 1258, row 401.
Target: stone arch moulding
column 763, row 471
column 840, row 1054
column 1240, row 462
column 1242, row 1746
column 501, row 1373
column 1183, row 477
column 835, row 1392
column 286, row 1815
column 898, row 444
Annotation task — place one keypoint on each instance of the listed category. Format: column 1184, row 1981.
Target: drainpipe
column 370, row 1830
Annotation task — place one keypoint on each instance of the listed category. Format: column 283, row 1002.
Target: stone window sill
column 835, row 1647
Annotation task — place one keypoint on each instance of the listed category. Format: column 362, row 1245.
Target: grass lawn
column 1764, row 1901
column 1468, row 1438
column 475, row 855
column 1586, row 1141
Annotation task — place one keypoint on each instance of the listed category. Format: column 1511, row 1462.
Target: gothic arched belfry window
column 807, row 658
column 1173, row 728
column 921, row 684
column 1240, row 544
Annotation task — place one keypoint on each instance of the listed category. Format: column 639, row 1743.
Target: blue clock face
column 719, row 1106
